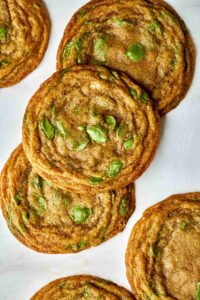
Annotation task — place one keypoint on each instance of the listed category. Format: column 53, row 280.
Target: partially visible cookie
column 163, row 254
column 51, row 220
column 24, row 35
column 82, row 287
column 89, row 129
column 144, row 38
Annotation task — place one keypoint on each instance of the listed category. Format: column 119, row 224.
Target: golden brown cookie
column 24, row 35
column 90, row 129
column 163, row 254
column 144, row 38
column 51, row 220
column 82, row 287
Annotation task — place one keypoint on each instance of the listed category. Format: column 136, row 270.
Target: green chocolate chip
column 133, row 92
column 61, row 285
column 154, row 251
column 79, row 47
column 123, row 209
column 10, row 215
column 79, row 214
column 121, row 131
column 83, row 244
column 136, row 52
column 37, row 182
column 144, row 97
column 25, row 216
column 128, row 144
column 79, row 146
column 4, row 63
column 155, row 26
column 197, row 293
column 114, row 168
column 60, row 129
column 97, row 134
column 82, row 127
column 111, row 121
column 119, row 22
column 42, row 206
column 3, row 32
column 53, row 112
column 115, row 74
column 95, row 180
column 47, row 128
column 83, row 13
column 67, row 49
column 183, row 225
column 101, row 49
column 18, row 199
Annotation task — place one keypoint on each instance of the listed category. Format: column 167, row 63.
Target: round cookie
column 146, row 39
column 89, row 129
column 51, row 220
column 24, row 35
column 82, row 287
column 163, row 254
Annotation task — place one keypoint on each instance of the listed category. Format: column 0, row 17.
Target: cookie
column 24, row 35
column 82, row 287
column 163, row 254
column 89, row 129
column 51, row 220
column 146, row 39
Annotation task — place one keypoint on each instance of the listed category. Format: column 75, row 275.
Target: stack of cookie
column 92, row 129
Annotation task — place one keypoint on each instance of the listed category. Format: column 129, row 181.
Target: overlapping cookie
column 146, row 39
column 82, row 287
column 51, row 220
column 163, row 254
column 89, row 129
column 24, row 35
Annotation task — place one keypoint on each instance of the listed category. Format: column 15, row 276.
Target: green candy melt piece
column 136, row 52
column 123, row 209
column 79, row 214
column 60, row 129
column 183, row 225
column 37, row 182
column 25, row 216
column 121, row 131
column 128, row 144
column 111, row 121
column 133, row 92
column 47, row 128
column 101, row 49
column 155, row 26
column 119, row 22
column 82, row 127
column 3, row 32
column 67, row 49
column 95, row 180
column 154, row 251
column 79, row 146
column 197, row 293
column 144, row 97
column 79, row 46
column 97, row 134
column 18, row 199
column 114, row 168
column 83, row 13
column 10, row 215
column 4, row 63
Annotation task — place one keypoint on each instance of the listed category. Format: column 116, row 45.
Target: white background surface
column 175, row 169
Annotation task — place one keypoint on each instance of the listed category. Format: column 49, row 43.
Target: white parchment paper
column 176, row 169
